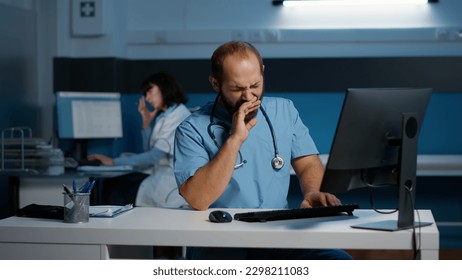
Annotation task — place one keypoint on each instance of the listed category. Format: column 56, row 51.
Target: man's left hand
column 313, row 199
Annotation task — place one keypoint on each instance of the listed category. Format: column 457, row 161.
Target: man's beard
column 232, row 108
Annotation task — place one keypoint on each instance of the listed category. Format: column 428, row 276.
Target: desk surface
column 176, row 227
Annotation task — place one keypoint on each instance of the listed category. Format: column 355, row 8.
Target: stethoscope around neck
column 277, row 162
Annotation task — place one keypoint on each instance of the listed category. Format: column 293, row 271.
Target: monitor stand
column 407, row 179
column 80, row 147
column 389, row 225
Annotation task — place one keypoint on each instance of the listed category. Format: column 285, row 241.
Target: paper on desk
column 108, row 211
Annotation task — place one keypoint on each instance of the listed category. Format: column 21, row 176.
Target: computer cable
column 415, row 241
column 371, row 188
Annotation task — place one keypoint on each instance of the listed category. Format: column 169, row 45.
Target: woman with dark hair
column 158, row 187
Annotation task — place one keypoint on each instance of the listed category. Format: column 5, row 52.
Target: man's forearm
column 310, row 172
column 210, row 181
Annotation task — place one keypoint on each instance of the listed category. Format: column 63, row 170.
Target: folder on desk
column 108, row 211
column 41, row 211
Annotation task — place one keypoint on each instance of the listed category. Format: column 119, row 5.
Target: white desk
column 29, row 238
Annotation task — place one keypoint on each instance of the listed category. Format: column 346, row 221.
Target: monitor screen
column 375, row 143
column 89, row 115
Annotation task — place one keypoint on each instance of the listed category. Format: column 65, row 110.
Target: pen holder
column 76, row 207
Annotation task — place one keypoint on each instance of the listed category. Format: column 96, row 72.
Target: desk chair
column 122, row 190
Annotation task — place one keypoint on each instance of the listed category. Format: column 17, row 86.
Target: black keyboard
column 299, row 213
column 88, row 162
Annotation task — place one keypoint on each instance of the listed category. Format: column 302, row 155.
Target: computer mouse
column 220, row 216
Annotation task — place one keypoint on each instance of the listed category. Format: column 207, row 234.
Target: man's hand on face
column 244, row 118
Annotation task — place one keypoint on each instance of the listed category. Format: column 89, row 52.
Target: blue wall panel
column 441, row 132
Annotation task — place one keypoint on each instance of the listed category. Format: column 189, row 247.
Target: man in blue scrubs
column 236, row 152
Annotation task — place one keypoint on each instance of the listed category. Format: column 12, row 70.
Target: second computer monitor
column 89, row 115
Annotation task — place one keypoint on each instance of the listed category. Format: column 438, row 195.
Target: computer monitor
column 88, row 115
column 375, row 145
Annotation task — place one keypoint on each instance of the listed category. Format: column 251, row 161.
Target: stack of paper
column 108, row 211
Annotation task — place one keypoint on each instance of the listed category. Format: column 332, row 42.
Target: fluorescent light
column 302, row 3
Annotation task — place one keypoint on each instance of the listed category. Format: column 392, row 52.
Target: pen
column 88, row 186
column 68, row 192
column 84, row 187
column 92, row 184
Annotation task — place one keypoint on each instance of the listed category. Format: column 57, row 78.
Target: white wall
column 141, row 29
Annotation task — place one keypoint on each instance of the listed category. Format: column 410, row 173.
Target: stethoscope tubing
column 277, row 162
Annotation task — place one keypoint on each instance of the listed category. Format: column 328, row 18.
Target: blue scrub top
column 256, row 184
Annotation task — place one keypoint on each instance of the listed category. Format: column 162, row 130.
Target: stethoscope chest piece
column 277, row 162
